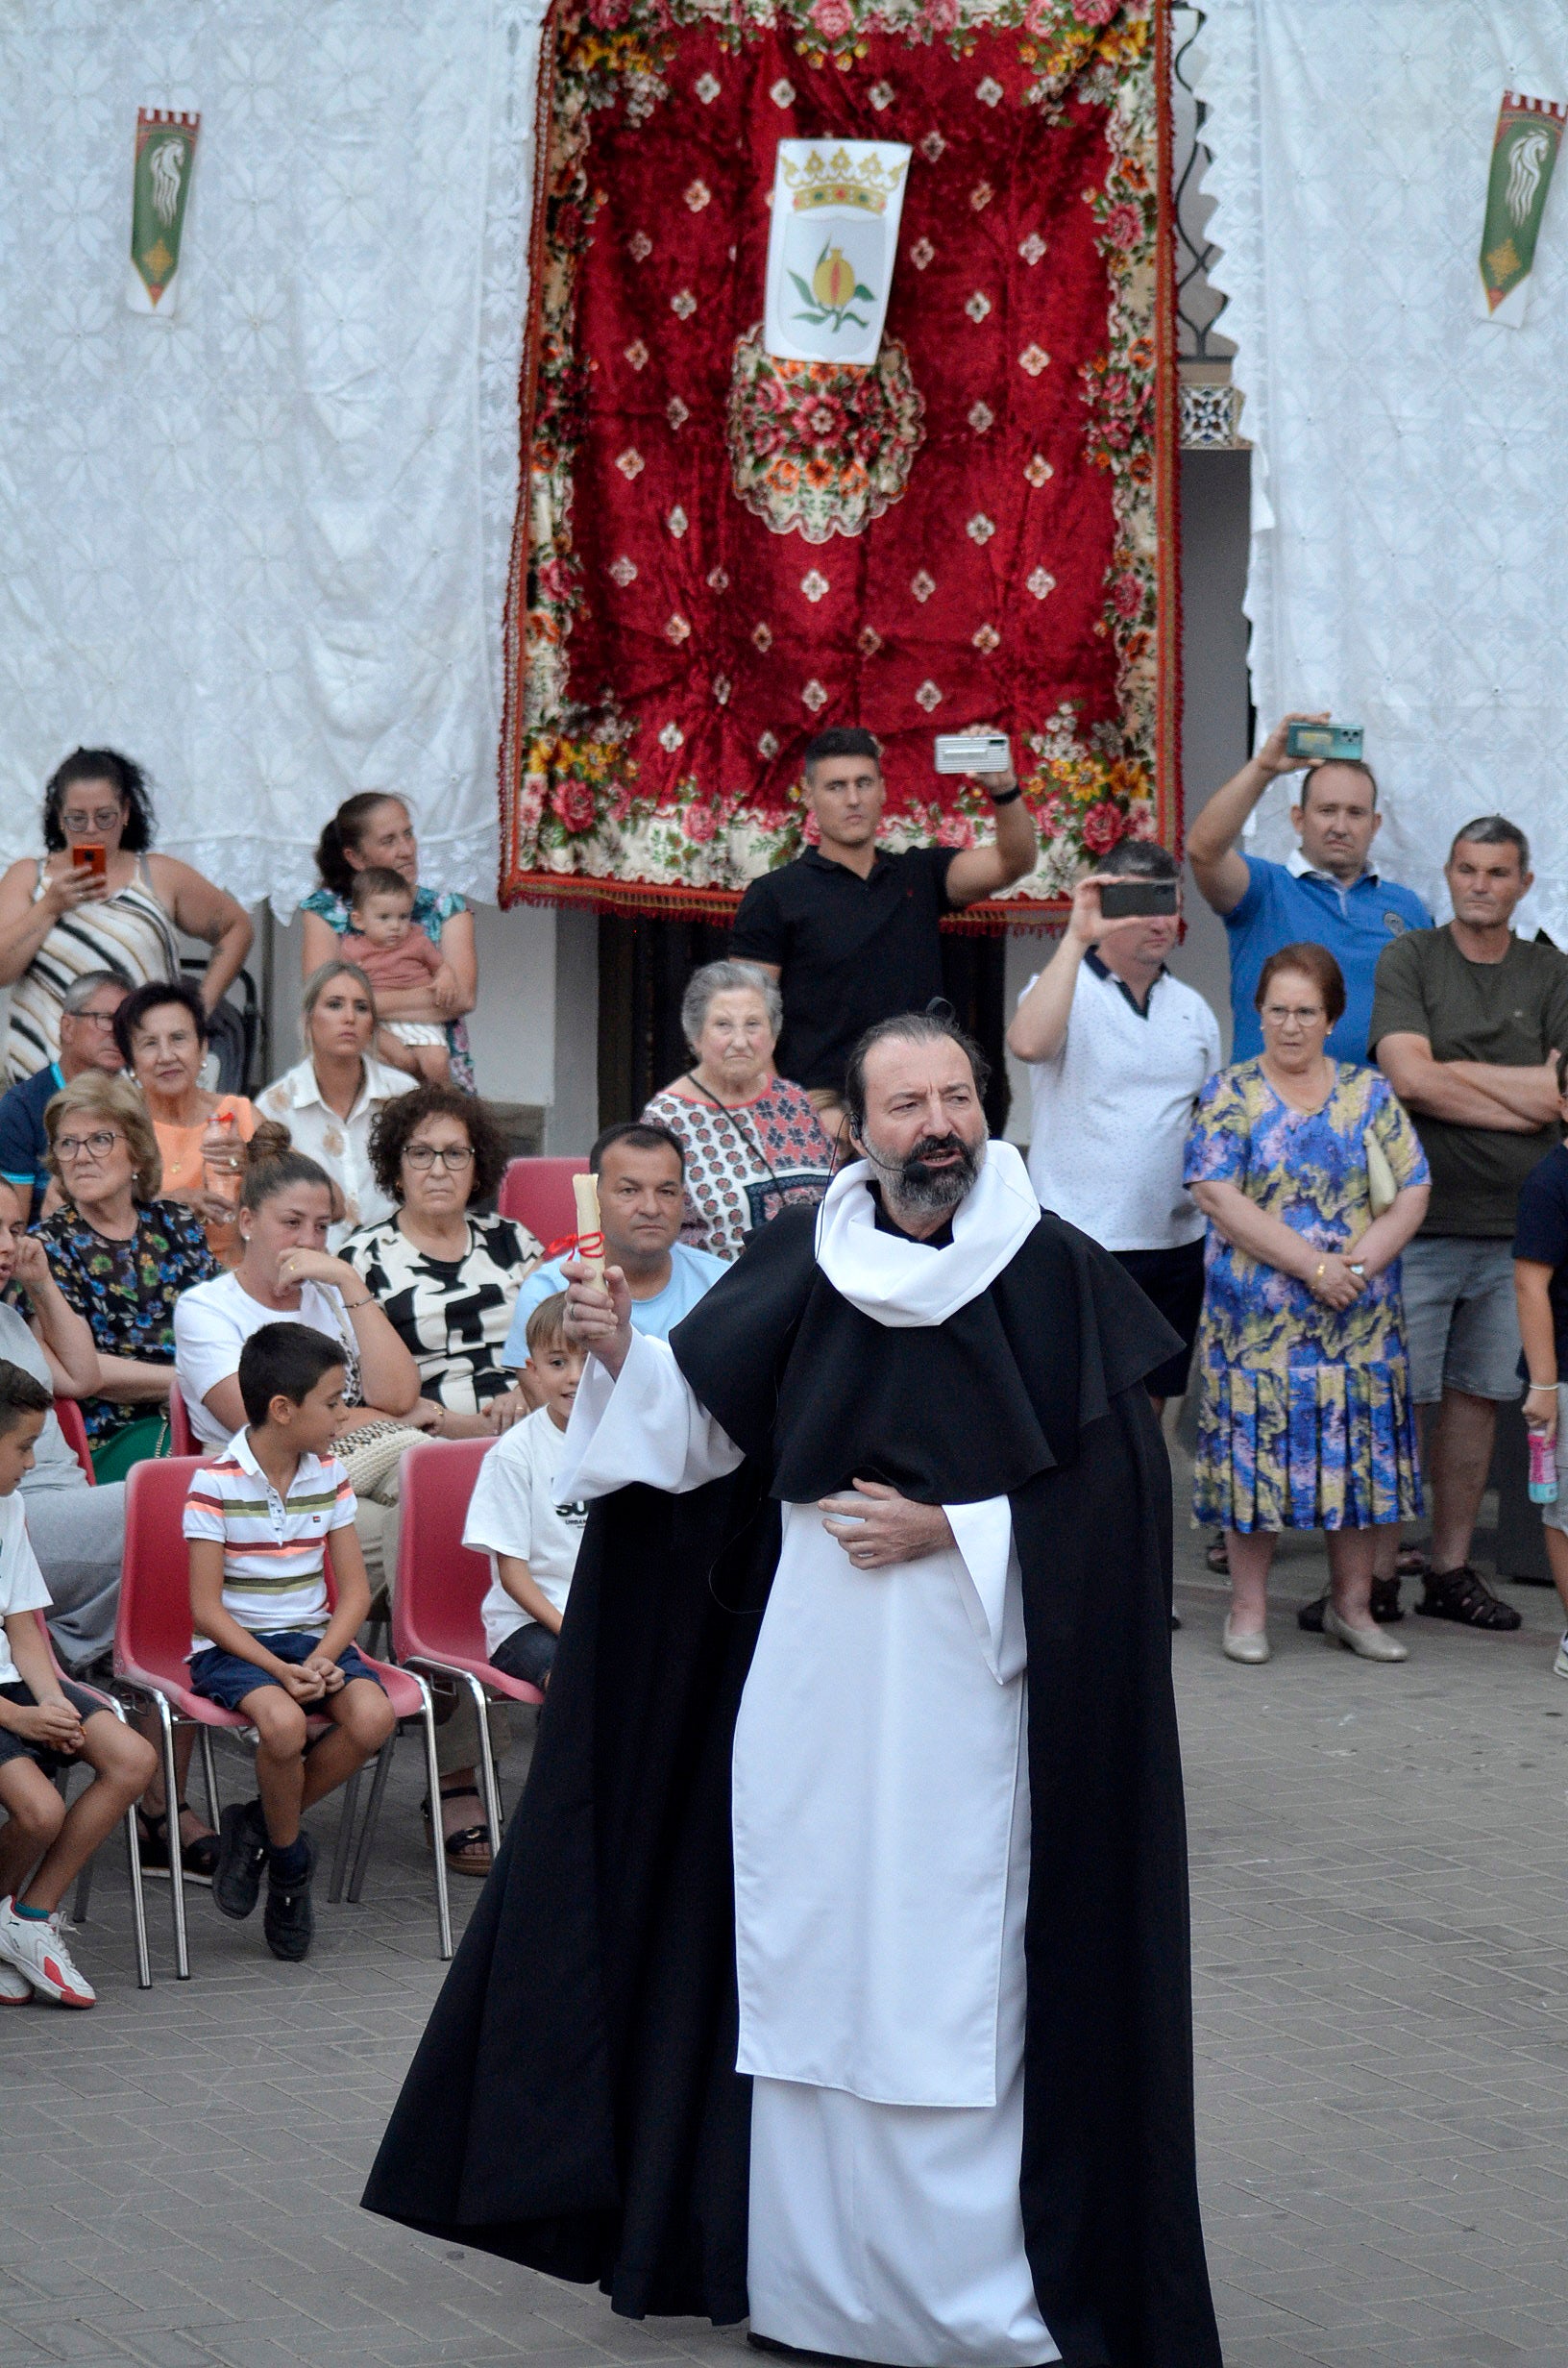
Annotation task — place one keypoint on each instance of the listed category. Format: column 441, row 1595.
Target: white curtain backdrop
column 264, row 548
column 1410, row 482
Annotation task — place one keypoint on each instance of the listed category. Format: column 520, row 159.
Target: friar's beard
column 913, row 1183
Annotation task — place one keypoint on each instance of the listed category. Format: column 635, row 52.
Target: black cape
column 574, row 2103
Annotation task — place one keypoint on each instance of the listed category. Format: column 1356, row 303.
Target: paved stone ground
column 1382, row 1955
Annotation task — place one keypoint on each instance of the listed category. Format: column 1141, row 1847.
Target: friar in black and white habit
column 835, row 1971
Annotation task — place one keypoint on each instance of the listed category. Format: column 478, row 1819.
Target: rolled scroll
column 590, row 1234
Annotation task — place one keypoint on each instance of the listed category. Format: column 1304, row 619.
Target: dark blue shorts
column 225, row 1677
column 528, row 1654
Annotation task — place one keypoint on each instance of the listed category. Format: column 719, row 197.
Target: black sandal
column 468, row 1848
column 1463, row 1595
column 198, row 1859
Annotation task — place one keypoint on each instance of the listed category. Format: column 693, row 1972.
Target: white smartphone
column 973, row 752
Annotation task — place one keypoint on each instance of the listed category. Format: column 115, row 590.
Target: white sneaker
column 1560, row 1666
column 15, row 1990
column 34, row 1946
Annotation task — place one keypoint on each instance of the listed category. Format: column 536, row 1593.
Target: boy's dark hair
column 20, row 1393
column 640, row 1134
column 547, row 1322
column 377, row 881
column 840, row 740
column 284, row 1360
column 1562, row 1074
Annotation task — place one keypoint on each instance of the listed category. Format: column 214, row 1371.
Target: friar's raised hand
column 599, row 1316
column 876, row 1526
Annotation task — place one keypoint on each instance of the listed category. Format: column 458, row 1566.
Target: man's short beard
column 911, row 1184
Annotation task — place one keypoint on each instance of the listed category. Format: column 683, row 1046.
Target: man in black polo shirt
column 850, row 932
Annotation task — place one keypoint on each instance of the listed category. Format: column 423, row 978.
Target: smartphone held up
column 1129, row 899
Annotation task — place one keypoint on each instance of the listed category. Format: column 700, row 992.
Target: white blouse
column 341, row 1145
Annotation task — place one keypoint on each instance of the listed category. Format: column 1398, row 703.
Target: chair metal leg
column 345, row 1832
column 176, row 1872
column 210, row 1776
column 373, row 1815
column 490, row 1792
column 433, row 1777
column 138, row 1901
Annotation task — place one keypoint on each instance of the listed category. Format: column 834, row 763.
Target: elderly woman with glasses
column 752, row 1140
column 121, row 1254
column 446, row 1278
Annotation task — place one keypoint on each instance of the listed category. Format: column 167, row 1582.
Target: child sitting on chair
column 397, row 957
column 268, row 1643
column 512, row 1515
column 46, row 1722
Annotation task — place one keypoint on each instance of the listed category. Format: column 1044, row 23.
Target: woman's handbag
column 373, row 1456
column 1382, row 1183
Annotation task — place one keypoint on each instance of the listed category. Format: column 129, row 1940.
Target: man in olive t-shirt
column 1467, row 1020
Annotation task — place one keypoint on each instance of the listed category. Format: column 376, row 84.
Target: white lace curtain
column 1410, row 565
column 264, row 548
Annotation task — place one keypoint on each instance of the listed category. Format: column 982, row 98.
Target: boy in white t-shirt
column 46, row 1722
column 531, row 1541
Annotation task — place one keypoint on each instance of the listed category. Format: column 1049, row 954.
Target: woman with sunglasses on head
column 100, row 899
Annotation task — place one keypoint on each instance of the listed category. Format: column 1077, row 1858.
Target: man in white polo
column 1118, row 1052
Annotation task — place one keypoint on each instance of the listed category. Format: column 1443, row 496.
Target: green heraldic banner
column 1524, row 152
column 160, row 191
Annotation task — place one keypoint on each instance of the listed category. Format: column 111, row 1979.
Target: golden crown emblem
column 841, row 180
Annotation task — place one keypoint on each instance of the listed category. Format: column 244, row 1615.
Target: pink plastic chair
column 538, row 1194
column 436, row 1620
column 74, row 1430
column 151, row 1648
column 84, row 1881
column 182, row 1439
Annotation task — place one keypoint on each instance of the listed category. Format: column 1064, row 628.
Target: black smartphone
column 1120, row 899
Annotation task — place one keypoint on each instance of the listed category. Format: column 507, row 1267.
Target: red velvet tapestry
column 718, row 553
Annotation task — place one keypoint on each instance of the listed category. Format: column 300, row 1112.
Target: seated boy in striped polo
column 267, row 1642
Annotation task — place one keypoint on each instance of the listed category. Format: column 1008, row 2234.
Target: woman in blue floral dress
column 1306, row 1419
column 376, row 829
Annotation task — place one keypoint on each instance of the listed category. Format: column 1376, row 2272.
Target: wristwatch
column 1006, row 797
column 1356, row 1268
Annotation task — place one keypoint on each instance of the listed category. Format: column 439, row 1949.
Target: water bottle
column 1543, row 1469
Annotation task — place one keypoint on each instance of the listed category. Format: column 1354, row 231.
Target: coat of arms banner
column 849, row 399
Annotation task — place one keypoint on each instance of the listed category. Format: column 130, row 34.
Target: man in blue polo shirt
column 1329, row 894
column 86, row 1041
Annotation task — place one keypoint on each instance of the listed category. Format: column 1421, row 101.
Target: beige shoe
column 1371, row 1643
column 1254, row 1648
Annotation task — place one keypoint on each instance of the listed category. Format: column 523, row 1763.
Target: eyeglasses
column 104, row 819
column 423, row 1155
column 84, row 1147
column 95, row 1019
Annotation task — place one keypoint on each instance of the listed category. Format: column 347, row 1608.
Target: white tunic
column 881, row 1841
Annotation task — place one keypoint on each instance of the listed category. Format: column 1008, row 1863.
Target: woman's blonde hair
column 115, row 1100
column 319, row 981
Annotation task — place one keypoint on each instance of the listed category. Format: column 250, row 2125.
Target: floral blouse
column 430, row 912
column 126, row 1290
column 744, row 1165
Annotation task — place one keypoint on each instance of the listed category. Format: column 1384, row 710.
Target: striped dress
column 128, row 931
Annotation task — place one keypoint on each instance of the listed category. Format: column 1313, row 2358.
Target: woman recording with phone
column 99, row 899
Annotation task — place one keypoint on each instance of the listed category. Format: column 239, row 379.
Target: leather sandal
column 198, row 1859
column 1463, row 1595
column 468, row 1849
